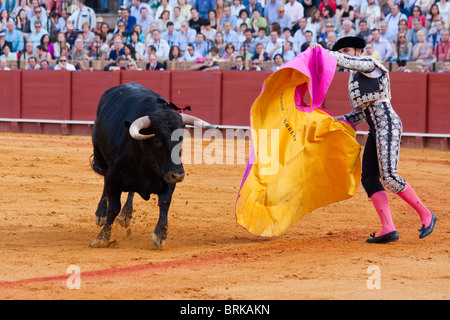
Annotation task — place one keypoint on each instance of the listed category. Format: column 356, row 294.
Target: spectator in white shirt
column 274, row 45
column 294, row 10
column 81, row 15
column 161, row 45
column 136, row 8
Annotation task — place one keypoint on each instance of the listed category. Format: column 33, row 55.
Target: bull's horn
column 138, row 125
column 194, row 121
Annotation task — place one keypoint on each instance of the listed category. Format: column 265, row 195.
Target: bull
column 133, row 148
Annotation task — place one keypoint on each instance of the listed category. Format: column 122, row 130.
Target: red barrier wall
column 438, row 112
column 438, row 115
column 157, row 81
column 200, row 90
column 239, row 91
column 87, row 88
column 224, row 97
column 10, row 93
column 6, row 93
column 409, row 99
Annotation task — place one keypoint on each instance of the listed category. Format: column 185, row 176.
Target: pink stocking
column 380, row 201
column 413, row 200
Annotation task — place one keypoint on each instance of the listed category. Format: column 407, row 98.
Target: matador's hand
column 313, row 46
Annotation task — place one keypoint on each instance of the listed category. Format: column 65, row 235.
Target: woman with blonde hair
column 88, row 35
column 423, row 50
column 132, row 65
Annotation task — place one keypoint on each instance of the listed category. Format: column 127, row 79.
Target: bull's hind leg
column 104, row 236
column 164, row 198
column 127, row 211
column 102, row 207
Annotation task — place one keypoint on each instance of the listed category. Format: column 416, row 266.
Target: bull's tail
column 98, row 164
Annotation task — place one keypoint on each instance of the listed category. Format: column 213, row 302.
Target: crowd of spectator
column 211, row 31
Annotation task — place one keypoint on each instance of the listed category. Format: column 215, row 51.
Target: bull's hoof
column 124, row 221
column 125, row 217
column 100, row 221
column 101, row 212
column 101, row 243
column 158, row 241
column 102, row 240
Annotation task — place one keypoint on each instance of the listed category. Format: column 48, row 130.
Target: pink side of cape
column 319, row 66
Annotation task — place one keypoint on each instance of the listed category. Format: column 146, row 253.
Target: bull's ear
column 127, row 123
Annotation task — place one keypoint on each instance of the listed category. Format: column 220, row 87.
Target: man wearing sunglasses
column 36, row 35
column 38, row 16
column 33, row 5
column 63, row 64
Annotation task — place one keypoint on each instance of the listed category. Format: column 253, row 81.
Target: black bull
column 133, row 151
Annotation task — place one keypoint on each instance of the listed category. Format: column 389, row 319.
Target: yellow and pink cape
column 301, row 159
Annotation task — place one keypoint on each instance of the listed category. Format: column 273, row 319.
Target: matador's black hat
column 349, row 42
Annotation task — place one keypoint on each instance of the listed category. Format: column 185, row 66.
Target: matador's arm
column 361, row 64
column 354, row 117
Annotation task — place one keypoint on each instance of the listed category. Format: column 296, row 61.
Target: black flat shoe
column 423, row 232
column 385, row 238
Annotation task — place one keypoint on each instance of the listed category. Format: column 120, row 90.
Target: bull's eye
column 158, row 142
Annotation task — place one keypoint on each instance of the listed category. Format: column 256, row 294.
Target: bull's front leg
column 104, row 236
column 102, row 208
column 164, row 199
column 127, row 211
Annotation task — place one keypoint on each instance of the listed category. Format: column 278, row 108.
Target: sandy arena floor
column 49, row 196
